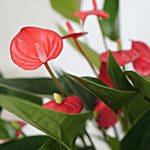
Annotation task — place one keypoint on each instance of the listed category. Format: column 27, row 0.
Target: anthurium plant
column 113, row 99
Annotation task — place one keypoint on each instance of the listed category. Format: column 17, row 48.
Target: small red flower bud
column 70, row 105
column 84, row 14
column 72, row 32
column 105, row 116
column 33, row 46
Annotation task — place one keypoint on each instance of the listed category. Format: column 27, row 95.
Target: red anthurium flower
column 70, row 105
column 103, row 76
column 142, row 64
column 122, row 57
column 33, row 46
column 72, row 32
column 84, row 14
column 104, row 116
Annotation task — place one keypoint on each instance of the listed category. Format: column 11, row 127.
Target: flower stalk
column 82, row 52
column 55, row 79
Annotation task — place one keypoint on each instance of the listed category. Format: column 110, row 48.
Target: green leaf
column 62, row 127
column 39, row 86
column 137, row 107
column 66, row 8
column 114, row 143
column 27, row 96
column 6, row 130
column 138, row 136
column 111, row 25
column 91, row 54
column 115, row 99
column 117, row 76
column 140, row 83
column 87, row 97
column 27, row 143
column 52, row 145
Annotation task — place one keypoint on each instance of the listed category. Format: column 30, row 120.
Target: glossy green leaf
column 62, row 127
column 138, row 136
column 115, row 99
column 39, row 86
column 117, row 76
column 66, row 8
column 87, row 97
column 27, row 96
column 6, row 130
column 111, row 25
column 140, row 83
column 91, row 54
column 137, row 107
column 27, row 143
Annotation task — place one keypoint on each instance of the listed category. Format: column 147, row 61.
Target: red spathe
column 70, row 105
column 33, row 46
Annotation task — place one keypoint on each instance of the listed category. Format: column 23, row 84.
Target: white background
column 15, row 14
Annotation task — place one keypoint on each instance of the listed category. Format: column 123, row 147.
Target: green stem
column 92, row 144
column 83, row 141
column 85, row 56
column 115, row 131
column 103, row 34
column 55, row 79
column 104, row 135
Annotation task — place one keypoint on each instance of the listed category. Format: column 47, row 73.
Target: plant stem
column 104, row 135
column 92, row 144
column 82, row 52
column 55, row 79
column 82, row 139
column 103, row 34
column 115, row 131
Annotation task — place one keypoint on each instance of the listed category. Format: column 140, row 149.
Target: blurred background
column 16, row 14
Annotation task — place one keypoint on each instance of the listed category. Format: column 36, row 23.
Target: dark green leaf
column 117, row 76
column 66, row 8
column 116, row 99
column 62, row 127
column 0, row 110
column 52, row 145
column 39, row 86
column 6, row 130
column 138, row 136
column 27, row 96
column 2, row 89
column 137, row 107
column 87, row 97
column 91, row 54
column 111, row 25
column 27, row 143
column 140, row 83
column 114, row 143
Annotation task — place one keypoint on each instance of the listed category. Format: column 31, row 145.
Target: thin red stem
column 82, row 52
column 55, row 79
